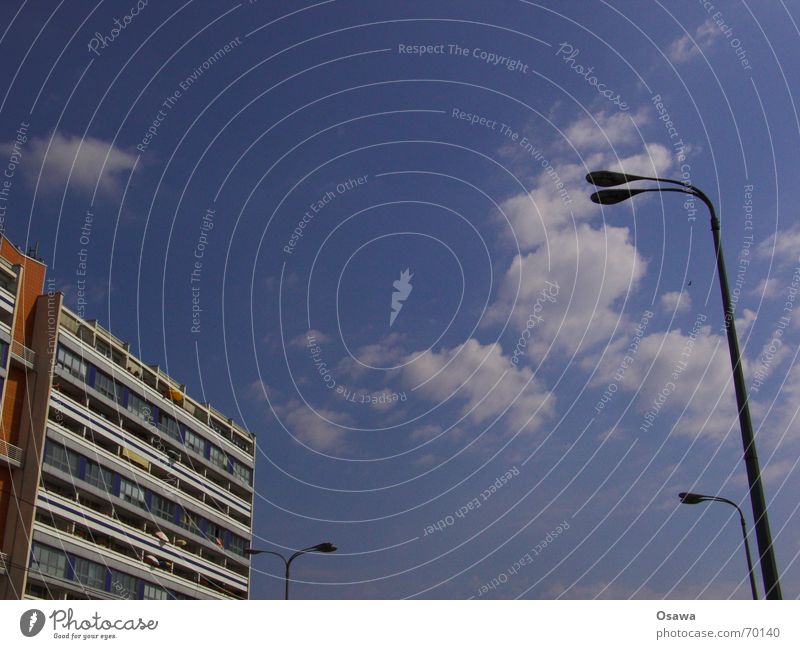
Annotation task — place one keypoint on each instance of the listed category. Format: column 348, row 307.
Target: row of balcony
column 235, row 501
column 129, row 537
column 117, row 352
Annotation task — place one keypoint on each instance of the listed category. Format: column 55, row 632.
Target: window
column 8, row 283
column 242, row 471
column 103, row 347
column 190, row 522
column 242, row 443
column 73, row 363
column 104, row 384
column 3, row 352
column 124, row 586
column 168, row 426
column 131, row 492
column 237, row 544
column 195, row 442
column 140, row 408
column 219, row 428
column 99, row 476
column 61, row 458
column 216, row 535
column 162, row 507
column 218, row 457
column 49, row 561
column 151, row 591
column 88, row 573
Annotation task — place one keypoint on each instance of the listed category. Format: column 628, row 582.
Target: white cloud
column 655, row 160
column 606, row 130
column 676, row 302
column 783, row 247
column 685, row 48
column 311, row 428
column 303, row 339
column 425, row 433
column 783, row 413
column 594, row 269
column 387, row 352
column 485, row 381
column 535, row 215
column 428, row 432
column 426, row 461
column 682, row 373
column 84, row 161
column 767, row 288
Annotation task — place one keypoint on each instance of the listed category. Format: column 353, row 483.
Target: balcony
column 137, row 541
column 3, row 559
column 10, row 454
column 24, row 355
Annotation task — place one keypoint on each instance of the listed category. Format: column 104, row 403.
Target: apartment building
column 116, row 484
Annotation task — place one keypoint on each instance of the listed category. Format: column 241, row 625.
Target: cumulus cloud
column 82, row 162
column 687, row 47
column 560, row 196
column 767, row 288
column 782, row 247
column 772, row 355
column 547, row 207
column 386, row 352
column 676, row 302
column 303, row 339
column 605, row 130
column 655, row 160
column 685, row 373
column 484, row 381
column 311, row 428
column 594, row 269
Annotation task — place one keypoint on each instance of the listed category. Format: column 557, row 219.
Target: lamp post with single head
column 321, row 547
column 695, row 499
column 766, row 552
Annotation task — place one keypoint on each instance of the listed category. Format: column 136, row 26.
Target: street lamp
column 695, row 499
column 321, row 547
column 769, row 567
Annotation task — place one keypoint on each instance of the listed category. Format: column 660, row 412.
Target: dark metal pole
column 289, row 563
column 769, row 567
column 720, row 499
column 320, row 547
column 749, row 557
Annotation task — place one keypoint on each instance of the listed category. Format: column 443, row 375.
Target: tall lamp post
column 769, row 567
column 695, row 499
column 322, row 547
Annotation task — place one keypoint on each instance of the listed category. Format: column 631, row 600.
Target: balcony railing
column 3, row 559
column 27, row 356
column 10, row 453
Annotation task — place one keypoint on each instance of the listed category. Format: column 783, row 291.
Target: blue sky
column 556, row 373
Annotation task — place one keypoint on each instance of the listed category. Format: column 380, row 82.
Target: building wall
column 22, row 501
column 30, row 275
column 32, row 285
column 52, row 510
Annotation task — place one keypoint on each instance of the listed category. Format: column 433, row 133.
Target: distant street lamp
column 322, row 547
column 695, row 499
column 769, row 566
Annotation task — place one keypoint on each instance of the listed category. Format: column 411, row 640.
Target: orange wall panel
column 13, row 404
column 32, row 286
